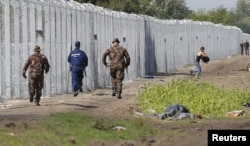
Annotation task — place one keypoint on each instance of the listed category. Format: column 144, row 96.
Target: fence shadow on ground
column 168, row 74
column 79, row 105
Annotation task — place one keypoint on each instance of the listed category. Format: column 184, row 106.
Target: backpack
column 39, row 65
column 173, row 111
column 205, row 59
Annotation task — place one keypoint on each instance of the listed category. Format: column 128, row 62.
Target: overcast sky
column 210, row 4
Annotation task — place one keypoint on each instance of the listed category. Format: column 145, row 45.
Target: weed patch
column 199, row 97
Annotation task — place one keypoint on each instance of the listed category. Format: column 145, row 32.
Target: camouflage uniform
column 37, row 64
column 117, row 56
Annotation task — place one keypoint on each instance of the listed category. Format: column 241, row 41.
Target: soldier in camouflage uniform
column 117, row 55
column 37, row 64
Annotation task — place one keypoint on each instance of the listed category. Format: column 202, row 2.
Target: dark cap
column 77, row 43
column 116, row 40
column 37, row 48
column 202, row 48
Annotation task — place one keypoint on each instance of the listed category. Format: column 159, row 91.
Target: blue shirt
column 78, row 57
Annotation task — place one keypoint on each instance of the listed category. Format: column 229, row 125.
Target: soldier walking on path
column 37, row 64
column 246, row 44
column 119, row 59
column 78, row 61
column 241, row 48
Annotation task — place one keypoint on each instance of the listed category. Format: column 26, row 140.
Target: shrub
column 199, row 97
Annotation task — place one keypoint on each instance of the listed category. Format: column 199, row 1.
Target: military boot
column 114, row 92
column 37, row 99
column 118, row 95
column 31, row 98
column 37, row 102
column 75, row 93
column 80, row 89
column 32, row 94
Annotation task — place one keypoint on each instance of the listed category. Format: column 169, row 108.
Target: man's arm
column 204, row 54
column 26, row 66
column 69, row 58
column 127, row 58
column 46, row 64
column 86, row 61
column 104, row 56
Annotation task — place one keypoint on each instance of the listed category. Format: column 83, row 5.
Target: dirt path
column 230, row 72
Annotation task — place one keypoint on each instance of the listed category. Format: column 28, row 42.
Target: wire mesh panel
column 47, row 47
column 53, row 52
column 16, row 51
column 1, row 48
column 6, row 52
column 64, row 50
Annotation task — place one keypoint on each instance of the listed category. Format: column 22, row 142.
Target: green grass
column 199, row 97
column 65, row 129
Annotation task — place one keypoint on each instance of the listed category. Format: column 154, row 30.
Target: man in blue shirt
column 79, row 61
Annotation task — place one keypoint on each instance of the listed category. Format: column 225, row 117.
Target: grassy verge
column 65, row 129
column 199, row 97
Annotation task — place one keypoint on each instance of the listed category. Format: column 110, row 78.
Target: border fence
column 154, row 45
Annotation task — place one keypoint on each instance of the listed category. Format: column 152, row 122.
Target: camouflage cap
column 116, row 40
column 37, row 48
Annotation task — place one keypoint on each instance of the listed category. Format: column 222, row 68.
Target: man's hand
column 106, row 65
column 24, row 75
column 126, row 65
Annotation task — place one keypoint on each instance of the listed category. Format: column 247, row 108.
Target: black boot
column 37, row 102
column 32, row 95
column 80, row 89
column 37, row 99
column 75, row 93
column 31, row 98
column 119, row 95
column 114, row 92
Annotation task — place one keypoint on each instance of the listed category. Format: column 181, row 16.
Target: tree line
column 177, row 9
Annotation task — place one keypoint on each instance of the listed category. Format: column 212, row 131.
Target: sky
column 210, row 4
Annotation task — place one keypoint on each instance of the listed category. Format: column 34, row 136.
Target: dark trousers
column 77, row 77
column 247, row 51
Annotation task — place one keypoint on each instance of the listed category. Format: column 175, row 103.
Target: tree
column 164, row 9
column 218, row 15
column 243, row 8
column 243, row 15
column 200, row 15
column 176, row 9
column 171, row 9
column 147, row 7
column 130, row 6
column 244, row 24
column 222, row 15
